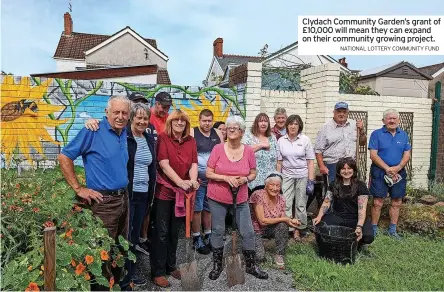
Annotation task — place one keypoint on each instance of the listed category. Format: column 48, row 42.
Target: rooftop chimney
column 343, row 63
column 68, row 23
column 218, row 47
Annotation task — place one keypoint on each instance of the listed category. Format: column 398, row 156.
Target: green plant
column 437, row 189
column 348, row 84
column 82, row 243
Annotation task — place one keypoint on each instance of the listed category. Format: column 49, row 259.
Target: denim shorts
column 201, row 202
column 379, row 188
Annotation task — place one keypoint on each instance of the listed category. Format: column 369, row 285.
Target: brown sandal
column 297, row 236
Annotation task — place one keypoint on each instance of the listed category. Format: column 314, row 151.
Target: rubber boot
column 251, row 267
column 218, row 254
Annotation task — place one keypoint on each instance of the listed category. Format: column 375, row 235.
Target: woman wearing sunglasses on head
column 232, row 165
column 269, row 219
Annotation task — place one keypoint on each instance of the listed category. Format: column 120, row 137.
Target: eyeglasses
column 179, row 120
column 234, row 129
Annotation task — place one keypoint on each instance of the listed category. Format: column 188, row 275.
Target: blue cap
column 341, row 104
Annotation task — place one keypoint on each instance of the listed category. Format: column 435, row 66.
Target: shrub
column 422, row 219
column 82, row 243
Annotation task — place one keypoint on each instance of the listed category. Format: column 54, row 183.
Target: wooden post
column 49, row 258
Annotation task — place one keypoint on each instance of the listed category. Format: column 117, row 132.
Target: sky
column 185, row 29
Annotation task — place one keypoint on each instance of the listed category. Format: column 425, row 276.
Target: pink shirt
column 219, row 191
column 277, row 211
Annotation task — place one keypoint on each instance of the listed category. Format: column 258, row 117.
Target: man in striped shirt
column 337, row 139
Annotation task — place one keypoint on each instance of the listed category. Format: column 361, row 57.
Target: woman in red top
column 232, row 164
column 177, row 174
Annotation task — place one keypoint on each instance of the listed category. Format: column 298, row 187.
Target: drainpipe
column 435, row 131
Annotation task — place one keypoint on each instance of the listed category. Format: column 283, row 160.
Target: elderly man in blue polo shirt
column 105, row 157
column 390, row 150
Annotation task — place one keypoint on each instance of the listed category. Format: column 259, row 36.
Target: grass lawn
column 415, row 263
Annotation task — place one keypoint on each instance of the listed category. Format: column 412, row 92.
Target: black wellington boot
column 218, row 254
column 251, row 267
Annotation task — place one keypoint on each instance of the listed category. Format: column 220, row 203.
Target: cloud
column 184, row 29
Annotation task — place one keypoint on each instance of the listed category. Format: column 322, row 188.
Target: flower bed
column 82, row 243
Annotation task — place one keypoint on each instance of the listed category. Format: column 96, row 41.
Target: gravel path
column 278, row 279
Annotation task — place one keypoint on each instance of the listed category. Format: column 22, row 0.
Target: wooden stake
column 50, row 258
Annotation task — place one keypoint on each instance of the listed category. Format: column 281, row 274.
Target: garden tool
column 235, row 269
column 188, row 271
column 357, row 147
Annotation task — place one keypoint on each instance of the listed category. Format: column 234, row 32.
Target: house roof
column 163, row 77
column 378, row 71
column 236, row 60
column 432, row 69
column 75, row 45
column 293, row 45
column 101, row 73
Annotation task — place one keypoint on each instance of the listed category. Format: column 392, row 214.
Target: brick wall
column 316, row 103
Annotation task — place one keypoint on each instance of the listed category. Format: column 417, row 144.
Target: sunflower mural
column 24, row 117
column 220, row 114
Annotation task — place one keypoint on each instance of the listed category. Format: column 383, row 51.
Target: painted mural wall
column 40, row 116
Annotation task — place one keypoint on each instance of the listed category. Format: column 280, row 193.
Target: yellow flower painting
column 25, row 117
column 216, row 107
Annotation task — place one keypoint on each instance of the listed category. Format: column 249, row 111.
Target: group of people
column 142, row 162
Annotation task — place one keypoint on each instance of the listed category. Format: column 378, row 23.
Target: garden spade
column 188, row 271
column 235, row 269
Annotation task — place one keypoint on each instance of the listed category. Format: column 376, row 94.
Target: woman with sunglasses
column 269, row 219
column 231, row 165
column 349, row 197
column 176, row 176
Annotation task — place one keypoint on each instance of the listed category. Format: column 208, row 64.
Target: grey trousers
column 296, row 188
column 279, row 232
column 243, row 222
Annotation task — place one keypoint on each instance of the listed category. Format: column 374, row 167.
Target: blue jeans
column 137, row 211
column 331, row 172
column 201, row 201
column 243, row 222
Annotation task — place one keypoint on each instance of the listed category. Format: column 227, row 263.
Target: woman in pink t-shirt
column 232, row 164
column 269, row 219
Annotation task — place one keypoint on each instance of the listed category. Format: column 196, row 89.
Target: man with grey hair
column 280, row 116
column 337, row 139
column 105, row 157
column 390, row 150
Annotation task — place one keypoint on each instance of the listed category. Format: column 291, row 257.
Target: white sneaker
column 139, row 249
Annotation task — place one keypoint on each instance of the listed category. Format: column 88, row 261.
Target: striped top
column 142, row 160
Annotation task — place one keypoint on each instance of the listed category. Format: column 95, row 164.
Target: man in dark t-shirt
column 206, row 138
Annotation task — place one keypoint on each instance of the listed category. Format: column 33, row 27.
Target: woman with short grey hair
column 230, row 167
column 139, row 107
column 269, row 219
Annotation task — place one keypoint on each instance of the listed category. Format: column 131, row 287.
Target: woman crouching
column 349, row 197
column 232, row 164
column 269, row 219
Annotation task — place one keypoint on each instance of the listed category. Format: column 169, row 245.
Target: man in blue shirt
column 105, row 157
column 390, row 150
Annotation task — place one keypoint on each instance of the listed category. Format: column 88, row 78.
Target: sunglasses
column 275, row 175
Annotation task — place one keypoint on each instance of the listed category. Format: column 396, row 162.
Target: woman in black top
column 348, row 197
